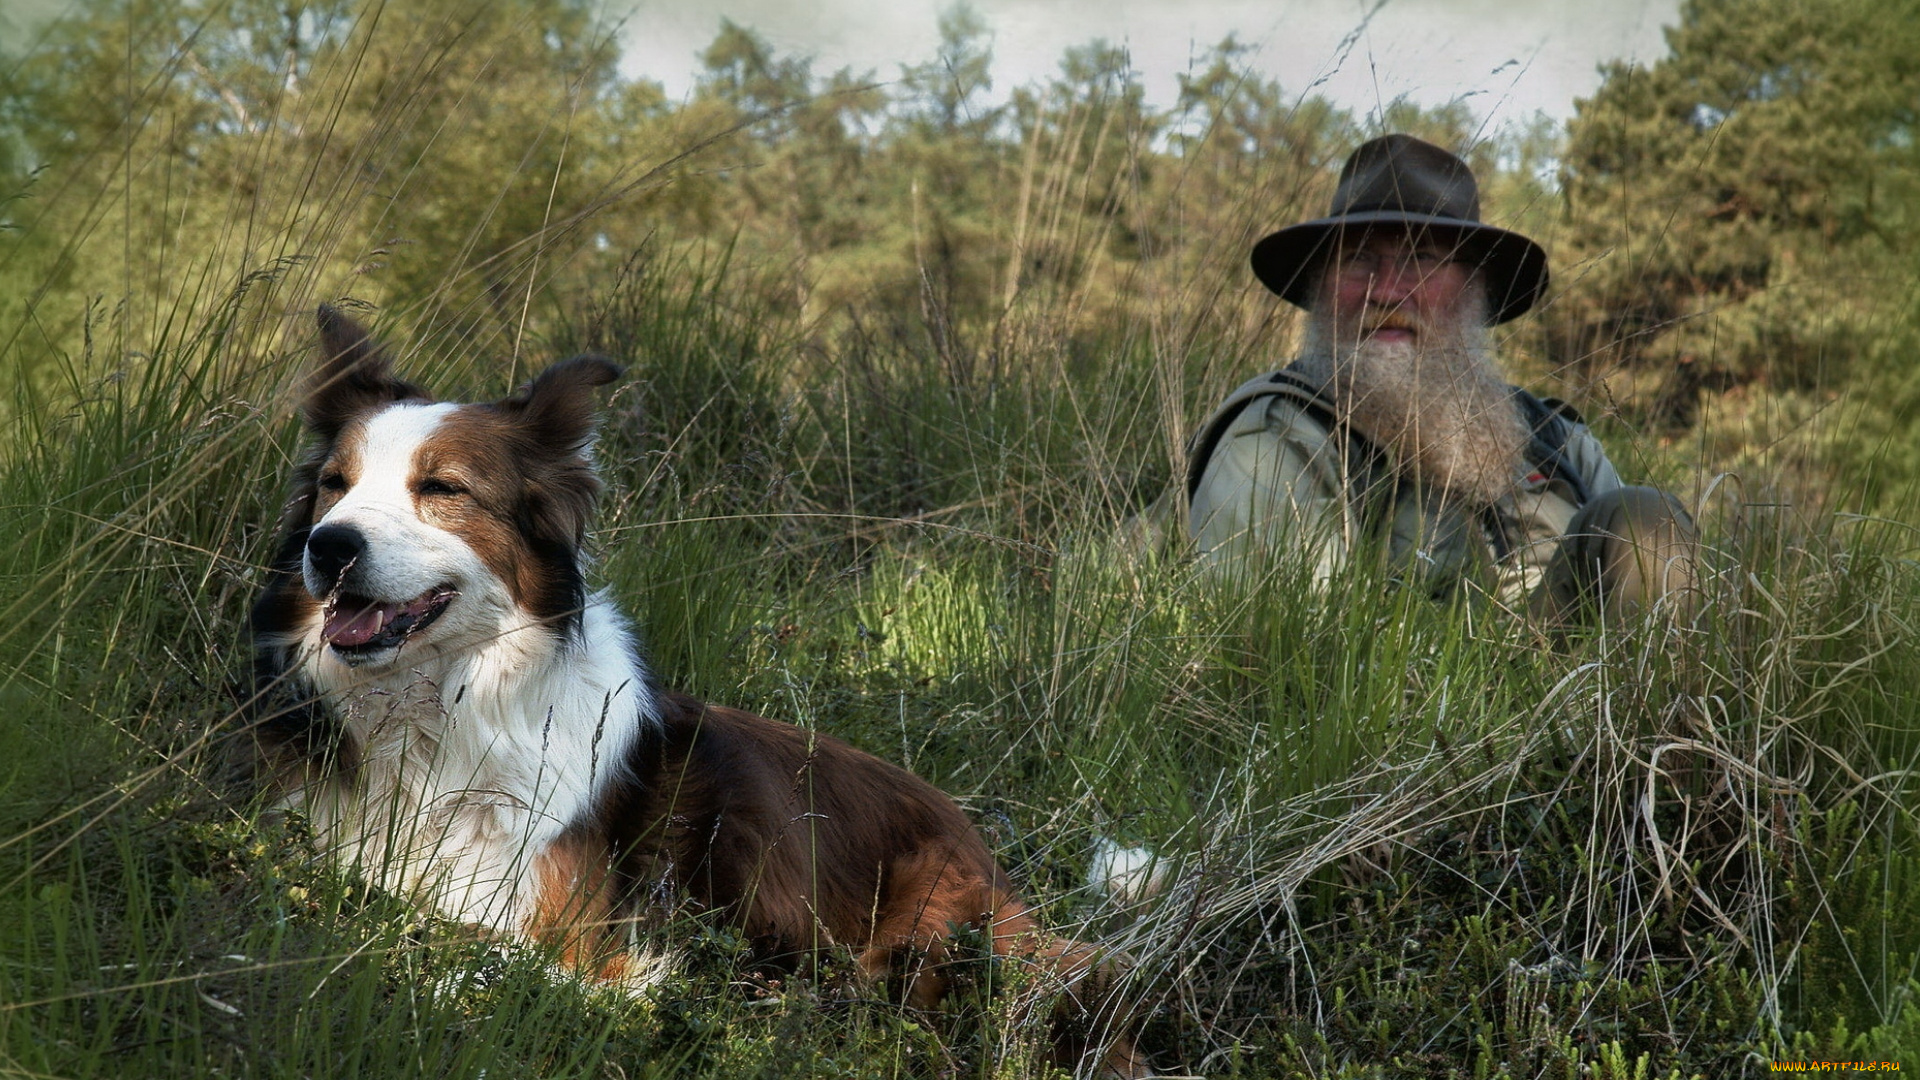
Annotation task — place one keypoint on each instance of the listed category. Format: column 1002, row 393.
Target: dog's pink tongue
column 353, row 624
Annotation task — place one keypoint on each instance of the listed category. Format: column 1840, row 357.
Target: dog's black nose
column 333, row 548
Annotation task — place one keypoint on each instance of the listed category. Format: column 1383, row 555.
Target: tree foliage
column 1739, row 214
column 1728, row 227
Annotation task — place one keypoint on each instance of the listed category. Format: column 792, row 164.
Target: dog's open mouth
column 356, row 624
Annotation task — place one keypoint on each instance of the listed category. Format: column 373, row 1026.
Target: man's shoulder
column 1286, row 401
column 1561, row 446
column 1541, row 409
column 1288, row 389
column 1291, row 416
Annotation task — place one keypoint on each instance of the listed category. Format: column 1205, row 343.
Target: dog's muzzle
column 357, row 625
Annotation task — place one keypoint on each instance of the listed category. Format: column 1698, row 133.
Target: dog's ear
column 557, row 407
column 354, row 376
column 556, row 415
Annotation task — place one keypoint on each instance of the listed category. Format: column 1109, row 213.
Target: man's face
column 1389, row 287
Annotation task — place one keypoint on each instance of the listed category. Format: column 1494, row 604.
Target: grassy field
column 1392, row 838
column 1396, row 838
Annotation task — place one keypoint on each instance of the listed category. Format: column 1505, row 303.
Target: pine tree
column 1730, row 210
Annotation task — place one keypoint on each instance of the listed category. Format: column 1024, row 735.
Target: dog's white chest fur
column 470, row 764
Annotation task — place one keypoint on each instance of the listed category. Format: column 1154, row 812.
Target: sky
column 1506, row 58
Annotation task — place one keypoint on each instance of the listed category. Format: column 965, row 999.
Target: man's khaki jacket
column 1281, row 475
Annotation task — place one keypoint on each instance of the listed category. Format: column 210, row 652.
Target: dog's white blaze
column 491, row 731
column 405, row 555
column 388, row 442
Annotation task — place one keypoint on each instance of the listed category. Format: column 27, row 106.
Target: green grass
column 1400, row 839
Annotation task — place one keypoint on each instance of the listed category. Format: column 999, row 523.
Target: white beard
column 1437, row 405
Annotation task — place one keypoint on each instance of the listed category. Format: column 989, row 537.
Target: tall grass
column 1391, row 837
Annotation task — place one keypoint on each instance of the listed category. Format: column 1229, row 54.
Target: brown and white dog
column 463, row 722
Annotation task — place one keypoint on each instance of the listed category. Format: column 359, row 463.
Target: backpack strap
column 1550, row 423
column 1285, row 383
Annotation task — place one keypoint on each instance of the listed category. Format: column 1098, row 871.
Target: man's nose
column 1393, row 281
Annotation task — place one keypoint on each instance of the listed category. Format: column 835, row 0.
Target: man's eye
column 333, row 481
column 440, row 487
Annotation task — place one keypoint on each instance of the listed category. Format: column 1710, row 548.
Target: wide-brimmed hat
column 1400, row 180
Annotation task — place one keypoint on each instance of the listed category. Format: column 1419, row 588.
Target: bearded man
column 1393, row 434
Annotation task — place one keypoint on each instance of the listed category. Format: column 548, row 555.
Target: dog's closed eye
column 434, row 487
